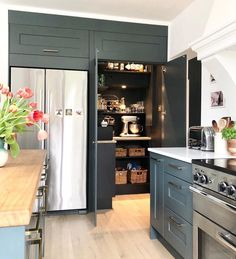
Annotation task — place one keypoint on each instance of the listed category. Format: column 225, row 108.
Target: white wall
column 3, row 44
column 198, row 19
column 222, row 67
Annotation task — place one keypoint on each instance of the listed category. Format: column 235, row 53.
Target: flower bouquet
column 16, row 114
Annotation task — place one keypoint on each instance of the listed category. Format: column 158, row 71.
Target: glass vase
column 3, row 153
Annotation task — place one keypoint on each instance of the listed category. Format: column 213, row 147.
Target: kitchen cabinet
column 48, row 41
column 127, row 46
column 157, row 193
column 106, row 176
column 171, row 202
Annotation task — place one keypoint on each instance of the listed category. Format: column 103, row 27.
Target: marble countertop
column 186, row 154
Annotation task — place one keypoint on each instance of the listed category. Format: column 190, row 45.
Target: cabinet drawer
column 178, row 197
column 39, row 40
column 179, row 169
column 178, row 233
column 135, row 47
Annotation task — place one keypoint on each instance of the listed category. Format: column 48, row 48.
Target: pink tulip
column 1, row 86
column 42, row 134
column 45, row 118
column 25, row 93
column 10, row 95
column 33, row 105
column 5, row 90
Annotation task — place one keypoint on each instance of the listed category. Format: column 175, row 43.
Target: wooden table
column 19, row 180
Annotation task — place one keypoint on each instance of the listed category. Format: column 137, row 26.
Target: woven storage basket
column 121, row 176
column 136, row 151
column 137, row 176
column 121, row 152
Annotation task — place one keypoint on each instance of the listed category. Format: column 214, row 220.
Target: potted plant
column 229, row 134
column 17, row 113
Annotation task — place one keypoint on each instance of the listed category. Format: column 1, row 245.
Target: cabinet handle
column 157, row 160
column 175, row 185
column 51, row 50
column 176, row 167
column 176, row 222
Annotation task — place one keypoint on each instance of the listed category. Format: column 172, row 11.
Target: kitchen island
column 171, row 212
column 19, row 181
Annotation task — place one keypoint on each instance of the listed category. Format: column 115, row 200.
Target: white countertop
column 186, row 154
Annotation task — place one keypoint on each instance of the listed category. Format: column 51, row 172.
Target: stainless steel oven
column 214, row 215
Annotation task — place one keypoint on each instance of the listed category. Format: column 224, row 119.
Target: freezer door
column 67, row 104
column 34, row 79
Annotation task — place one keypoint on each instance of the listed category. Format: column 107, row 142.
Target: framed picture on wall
column 217, row 99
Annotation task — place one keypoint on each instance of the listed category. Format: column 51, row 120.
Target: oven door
column 211, row 241
column 214, row 225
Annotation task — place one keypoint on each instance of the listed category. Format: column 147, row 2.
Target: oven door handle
column 222, row 238
column 213, row 199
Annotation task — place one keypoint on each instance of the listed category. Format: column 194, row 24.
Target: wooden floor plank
column 122, row 233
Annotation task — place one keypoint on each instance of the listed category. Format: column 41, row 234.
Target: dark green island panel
column 171, row 204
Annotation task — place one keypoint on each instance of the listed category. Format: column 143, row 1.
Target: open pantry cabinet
column 123, row 100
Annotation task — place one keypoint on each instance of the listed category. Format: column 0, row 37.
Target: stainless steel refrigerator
column 63, row 95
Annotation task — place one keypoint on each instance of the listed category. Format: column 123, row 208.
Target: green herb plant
column 229, row 133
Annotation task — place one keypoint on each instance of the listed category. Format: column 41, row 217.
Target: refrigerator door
column 34, row 79
column 67, row 104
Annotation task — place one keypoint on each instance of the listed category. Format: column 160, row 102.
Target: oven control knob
column 231, row 190
column 203, row 179
column 222, row 186
column 196, row 177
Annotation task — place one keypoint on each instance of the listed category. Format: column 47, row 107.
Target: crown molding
column 222, row 39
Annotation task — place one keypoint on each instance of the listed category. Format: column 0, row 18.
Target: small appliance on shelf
column 130, row 125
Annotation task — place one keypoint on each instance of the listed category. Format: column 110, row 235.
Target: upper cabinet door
column 50, row 41
column 131, row 47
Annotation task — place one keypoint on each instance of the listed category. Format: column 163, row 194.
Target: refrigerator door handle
column 41, row 108
column 48, row 125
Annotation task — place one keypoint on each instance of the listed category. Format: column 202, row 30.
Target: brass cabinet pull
column 51, row 50
column 176, row 222
column 157, row 160
column 176, row 167
column 175, row 185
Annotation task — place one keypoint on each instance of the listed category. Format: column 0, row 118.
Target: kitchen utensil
column 231, row 124
column 228, row 119
column 215, row 126
column 222, row 123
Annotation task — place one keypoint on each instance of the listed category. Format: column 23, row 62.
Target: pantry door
column 174, row 86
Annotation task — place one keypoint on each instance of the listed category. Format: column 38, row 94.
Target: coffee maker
column 125, row 130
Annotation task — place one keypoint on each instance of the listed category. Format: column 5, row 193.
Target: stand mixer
column 126, row 120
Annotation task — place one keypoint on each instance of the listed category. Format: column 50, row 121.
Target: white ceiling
column 155, row 10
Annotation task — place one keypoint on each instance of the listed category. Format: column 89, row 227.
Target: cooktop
column 227, row 165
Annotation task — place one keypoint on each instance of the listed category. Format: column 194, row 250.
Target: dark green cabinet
column 171, row 203
column 178, row 197
column 178, row 233
column 106, row 176
column 49, row 41
column 157, row 193
column 133, row 47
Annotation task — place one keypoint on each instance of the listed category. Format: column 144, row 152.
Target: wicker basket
column 121, row 176
column 137, row 176
column 136, row 151
column 121, row 152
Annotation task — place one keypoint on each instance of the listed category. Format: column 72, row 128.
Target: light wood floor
column 121, row 233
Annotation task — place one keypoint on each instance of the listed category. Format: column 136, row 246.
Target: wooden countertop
column 19, row 180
